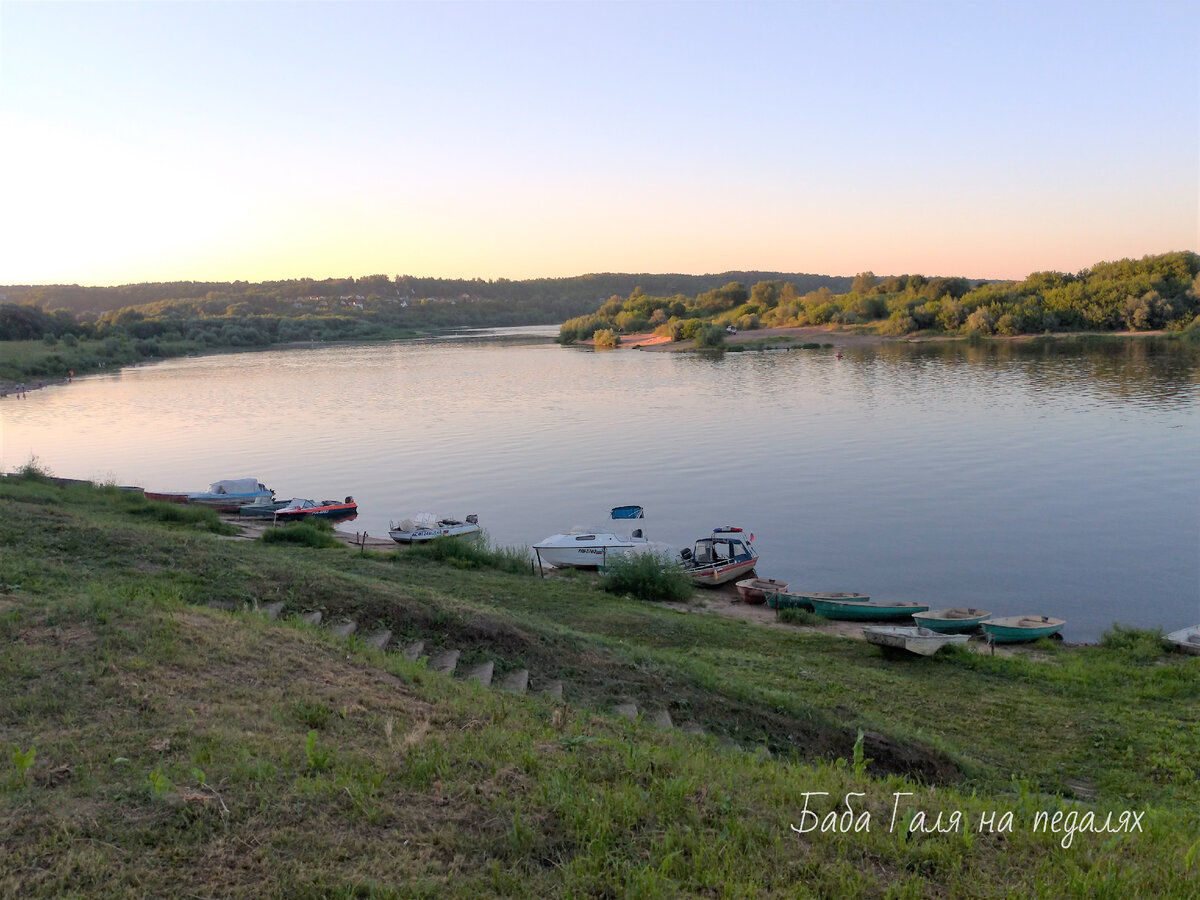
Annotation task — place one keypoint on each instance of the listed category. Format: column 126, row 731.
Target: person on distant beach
column 70, row 375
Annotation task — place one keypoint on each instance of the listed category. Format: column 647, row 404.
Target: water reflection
column 1052, row 478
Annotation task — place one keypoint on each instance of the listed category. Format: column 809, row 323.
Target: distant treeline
column 1138, row 295
column 85, row 328
column 549, row 300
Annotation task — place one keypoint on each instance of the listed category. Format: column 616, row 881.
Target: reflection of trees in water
column 1156, row 369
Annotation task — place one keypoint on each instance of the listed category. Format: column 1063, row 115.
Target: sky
column 259, row 141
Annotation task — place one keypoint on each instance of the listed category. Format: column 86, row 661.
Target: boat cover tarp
column 628, row 512
column 236, row 486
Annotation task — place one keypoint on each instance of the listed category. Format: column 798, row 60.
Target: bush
column 711, row 337
column 606, row 338
column 175, row 513
column 647, row 576
column 313, row 533
column 1139, row 644
column 478, row 553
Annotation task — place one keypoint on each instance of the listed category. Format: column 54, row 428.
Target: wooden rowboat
column 755, row 590
column 955, row 620
column 1014, row 629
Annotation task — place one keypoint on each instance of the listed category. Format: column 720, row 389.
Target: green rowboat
column 865, row 609
column 799, row 600
column 956, row 620
column 1014, row 629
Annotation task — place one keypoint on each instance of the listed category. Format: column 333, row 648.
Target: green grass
column 175, row 749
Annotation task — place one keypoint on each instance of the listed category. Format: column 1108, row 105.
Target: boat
column 913, row 638
column 839, row 608
column 800, row 600
column 722, row 557
column 1186, row 640
column 755, row 590
column 955, row 620
column 426, row 526
column 299, row 509
column 232, row 494
column 591, row 548
column 265, row 510
column 1014, row 629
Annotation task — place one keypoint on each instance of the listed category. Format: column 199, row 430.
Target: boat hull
column 800, row 600
column 755, row 590
column 568, row 551
column 1186, row 640
column 421, row 535
column 334, row 511
column 864, row 610
column 911, row 638
column 1018, row 629
column 951, row 621
column 713, row 575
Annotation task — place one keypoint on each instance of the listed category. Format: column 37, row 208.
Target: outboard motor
column 685, row 554
column 637, row 533
column 473, row 519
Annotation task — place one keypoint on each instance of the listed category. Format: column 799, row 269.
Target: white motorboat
column 591, row 548
column 913, row 638
column 427, row 526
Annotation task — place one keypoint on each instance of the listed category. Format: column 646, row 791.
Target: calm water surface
column 1057, row 479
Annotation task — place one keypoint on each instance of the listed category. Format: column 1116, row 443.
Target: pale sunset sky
column 255, row 141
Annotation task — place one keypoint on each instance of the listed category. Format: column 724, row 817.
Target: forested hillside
column 1137, row 295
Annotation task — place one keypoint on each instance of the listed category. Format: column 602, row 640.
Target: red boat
column 299, row 509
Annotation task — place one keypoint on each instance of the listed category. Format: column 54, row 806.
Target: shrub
column 175, row 513
column 606, row 338
column 647, row 576
column 313, row 533
column 711, row 337
column 794, row 616
column 1139, row 644
column 477, row 553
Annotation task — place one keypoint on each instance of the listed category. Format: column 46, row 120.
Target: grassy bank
column 155, row 745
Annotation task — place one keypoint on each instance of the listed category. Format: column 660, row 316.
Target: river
column 1043, row 478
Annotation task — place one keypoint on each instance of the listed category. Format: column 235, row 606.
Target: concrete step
column 627, row 710
column 414, row 650
column 553, row 688
column 515, row 682
column 273, row 609
column 444, row 662
column 312, row 618
column 660, row 718
column 481, row 673
column 379, row 640
column 344, row 629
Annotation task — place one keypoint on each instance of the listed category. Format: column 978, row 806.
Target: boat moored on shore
column 1015, row 629
column 299, row 509
column 722, row 557
column 866, row 610
column 426, row 526
column 955, row 620
column 912, row 638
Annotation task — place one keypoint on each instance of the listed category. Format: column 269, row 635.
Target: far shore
column 828, row 334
